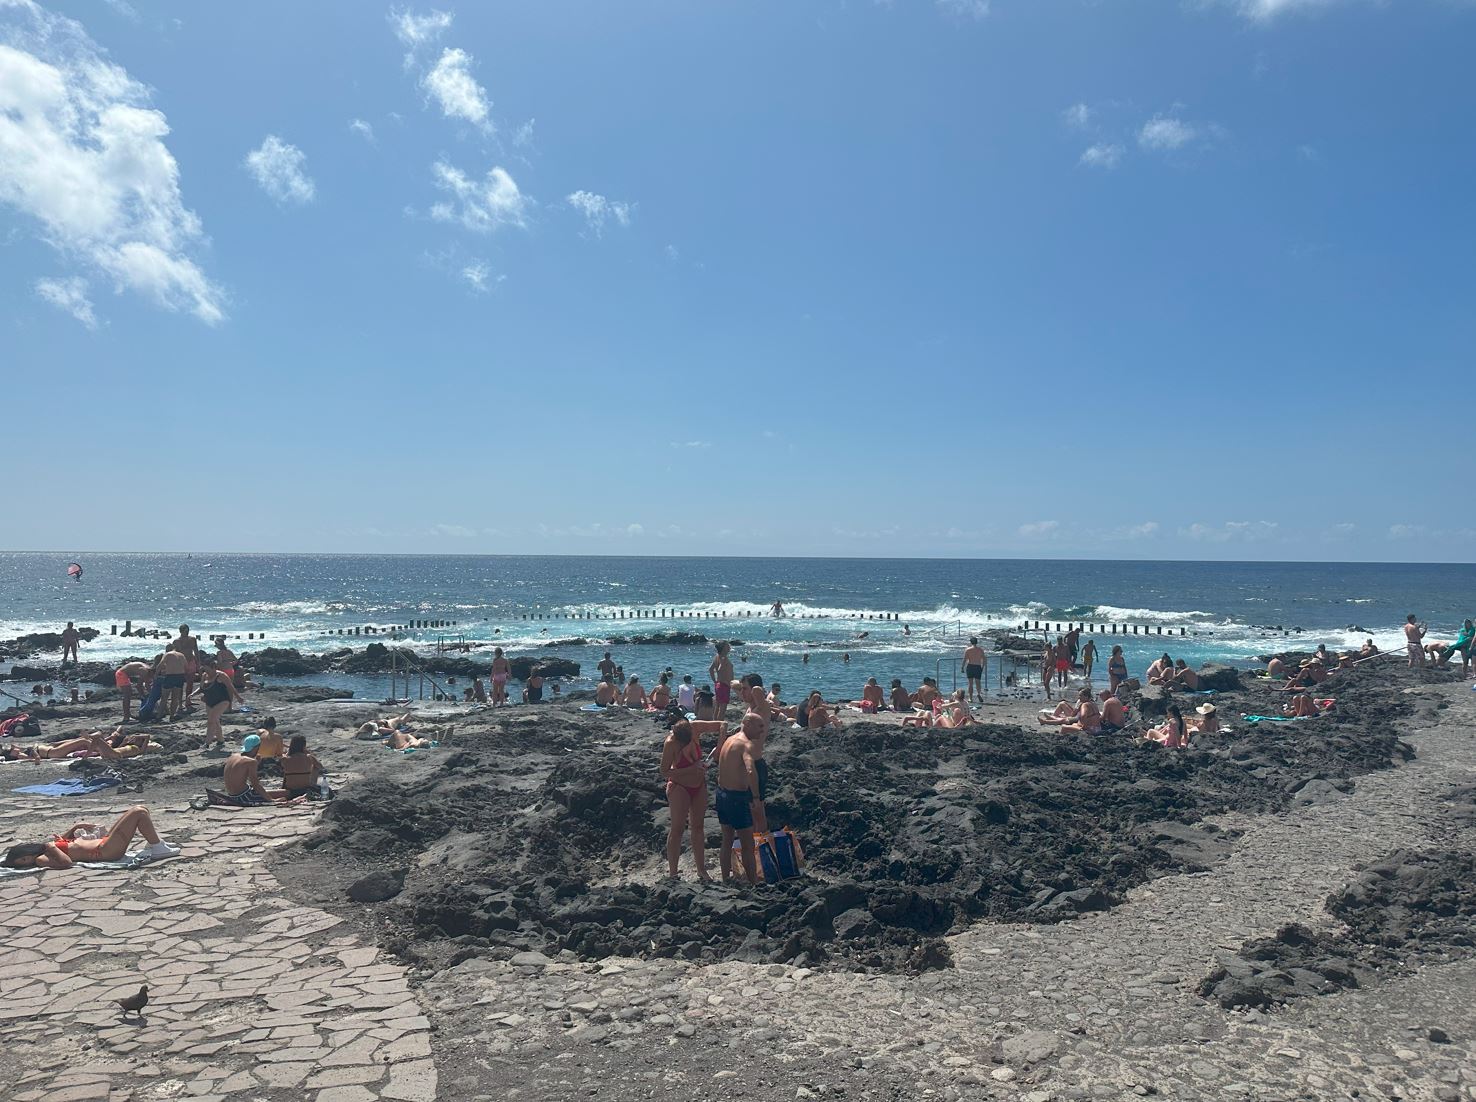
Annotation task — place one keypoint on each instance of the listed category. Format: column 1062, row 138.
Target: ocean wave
column 289, row 608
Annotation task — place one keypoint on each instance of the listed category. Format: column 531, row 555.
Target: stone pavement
column 250, row 996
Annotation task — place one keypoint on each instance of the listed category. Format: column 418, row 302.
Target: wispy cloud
column 965, row 9
column 597, row 210
column 478, row 276
column 480, row 205
column 453, row 531
column 523, row 135
column 362, row 129
column 1078, row 115
column 1166, row 132
column 280, row 168
column 1236, row 531
column 82, row 153
column 1040, row 529
column 416, row 30
column 451, row 85
column 70, row 295
column 691, row 443
column 1102, row 155
column 1264, row 11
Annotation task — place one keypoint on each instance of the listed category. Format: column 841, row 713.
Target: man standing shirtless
column 721, row 672
column 170, row 674
column 974, row 664
column 188, row 646
column 1414, row 635
column 738, row 802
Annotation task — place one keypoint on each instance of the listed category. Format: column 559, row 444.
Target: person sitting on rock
column 901, row 698
column 1209, row 720
column 301, row 771
column 606, row 695
column 88, row 842
column 634, row 695
column 815, row 715
column 1173, row 732
column 1161, row 671
column 1276, row 668
column 1301, row 706
column 1183, row 677
column 1368, row 650
column 242, row 782
column 1082, row 718
column 1114, row 713
column 872, row 699
column 660, row 695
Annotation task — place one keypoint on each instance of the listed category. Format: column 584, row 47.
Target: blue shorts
column 735, row 808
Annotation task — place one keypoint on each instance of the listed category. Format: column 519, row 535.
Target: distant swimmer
column 777, row 608
column 863, row 635
column 906, row 629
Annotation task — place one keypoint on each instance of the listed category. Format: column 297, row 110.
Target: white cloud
column 418, row 30
column 451, row 84
column 634, row 530
column 1239, row 531
column 1078, row 115
column 478, row 276
column 523, row 135
column 965, row 9
column 691, row 444
column 70, row 295
column 1142, row 531
column 83, row 154
column 1166, row 132
column 1102, row 155
column 596, row 209
column 278, row 168
column 1040, row 529
column 455, row 531
column 362, row 129
column 1407, row 531
column 673, row 253
column 480, row 205
column 1263, row 11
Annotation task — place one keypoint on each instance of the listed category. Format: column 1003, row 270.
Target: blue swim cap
column 250, row 743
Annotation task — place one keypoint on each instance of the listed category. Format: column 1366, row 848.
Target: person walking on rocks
column 501, row 672
column 685, row 770
column 739, row 807
column 1047, row 668
column 1414, row 636
column 1117, row 670
column 1089, row 657
column 974, row 663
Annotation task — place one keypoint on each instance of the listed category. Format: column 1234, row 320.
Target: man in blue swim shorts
column 737, row 800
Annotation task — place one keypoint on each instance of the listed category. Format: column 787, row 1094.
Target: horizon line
column 739, row 558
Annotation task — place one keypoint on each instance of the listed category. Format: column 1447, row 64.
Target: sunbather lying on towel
column 114, row 747
column 78, row 846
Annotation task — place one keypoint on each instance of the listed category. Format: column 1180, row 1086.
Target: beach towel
column 149, row 703
column 19, row 726
column 134, row 860
column 1273, row 719
column 72, row 786
column 593, row 708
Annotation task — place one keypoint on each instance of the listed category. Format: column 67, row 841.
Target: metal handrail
column 396, row 657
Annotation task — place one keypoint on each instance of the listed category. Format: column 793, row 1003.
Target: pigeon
column 134, row 1004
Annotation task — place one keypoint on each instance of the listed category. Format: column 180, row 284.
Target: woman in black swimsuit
column 218, row 693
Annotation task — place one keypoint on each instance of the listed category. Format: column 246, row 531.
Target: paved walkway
column 250, row 996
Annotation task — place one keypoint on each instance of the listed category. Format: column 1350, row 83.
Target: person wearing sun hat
column 1209, row 722
column 243, row 783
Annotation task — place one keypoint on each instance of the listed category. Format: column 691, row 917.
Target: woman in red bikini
column 685, row 770
column 78, row 846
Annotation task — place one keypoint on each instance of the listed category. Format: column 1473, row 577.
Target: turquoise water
column 1230, row 611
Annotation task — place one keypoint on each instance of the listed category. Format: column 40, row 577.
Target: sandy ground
column 269, row 983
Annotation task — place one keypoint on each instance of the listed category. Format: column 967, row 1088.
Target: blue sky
column 1161, row 279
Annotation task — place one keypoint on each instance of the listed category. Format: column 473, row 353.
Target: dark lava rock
column 282, row 662
column 1409, row 905
column 1222, row 679
column 312, row 694
column 377, row 886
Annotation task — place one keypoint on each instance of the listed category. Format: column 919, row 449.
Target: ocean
column 1226, row 611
